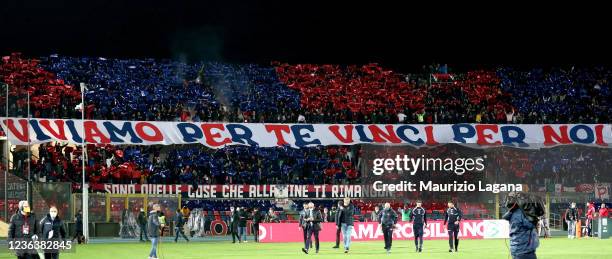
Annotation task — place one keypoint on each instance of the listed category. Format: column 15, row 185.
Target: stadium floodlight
column 29, row 185
column 85, row 192
column 6, row 154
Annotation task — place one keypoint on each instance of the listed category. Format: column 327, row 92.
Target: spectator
column 142, row 224
column 603, row 211
column 374, row 216
column 271, row 216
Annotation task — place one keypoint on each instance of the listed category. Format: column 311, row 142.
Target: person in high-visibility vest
column 162, row 221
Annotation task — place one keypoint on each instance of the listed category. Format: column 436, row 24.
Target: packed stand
column 50, row 97
column 559, row 95
column 192, row 164
column 139, row 89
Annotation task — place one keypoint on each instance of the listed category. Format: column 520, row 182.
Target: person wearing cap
column 24, row 226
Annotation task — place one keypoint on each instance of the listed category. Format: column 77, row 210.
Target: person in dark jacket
column 452, row 217
column 523, row 235
column 257, row 218
column 337, row 213
column 142, row 223
column 271, row 216
column 154, row 226
column 346, row 223
column 78, row 228
column 313, row 219
column 375, row 215
column 302, row 223
column 235, row 218
column 52, row 228
column 242, row 230
column 387, row 218
column 24, row 226
column 571, row 215
column 419, row 223
column 326, row 215
column 179, row 223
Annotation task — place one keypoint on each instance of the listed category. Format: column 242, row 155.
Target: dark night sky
column 402, row 37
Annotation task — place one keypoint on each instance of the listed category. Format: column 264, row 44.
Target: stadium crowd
column 164, row 90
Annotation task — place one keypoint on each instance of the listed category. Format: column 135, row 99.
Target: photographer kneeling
column 523, row 214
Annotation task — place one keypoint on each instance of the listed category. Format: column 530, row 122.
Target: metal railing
column 555, row 221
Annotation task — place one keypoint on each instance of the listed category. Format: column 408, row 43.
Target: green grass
column 557, row 248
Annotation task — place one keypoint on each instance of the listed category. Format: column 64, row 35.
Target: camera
column 532, row 205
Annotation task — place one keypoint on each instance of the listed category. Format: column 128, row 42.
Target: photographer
column 571, row 215
column 523, row 235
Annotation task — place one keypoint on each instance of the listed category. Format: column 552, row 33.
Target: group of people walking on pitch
column 311, row 218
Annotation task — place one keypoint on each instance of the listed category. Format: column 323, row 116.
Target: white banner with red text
column 242, row 191
column 217, row 135
column 369, row 231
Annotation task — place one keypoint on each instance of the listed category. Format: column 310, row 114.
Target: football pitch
column 480, row 249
